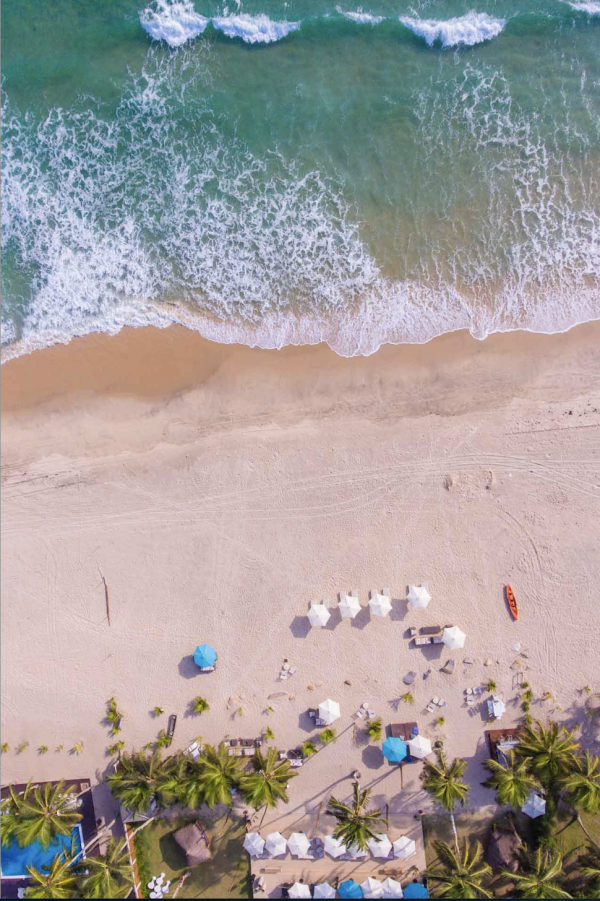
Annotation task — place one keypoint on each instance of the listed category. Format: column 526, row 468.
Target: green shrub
column 374, row 729
column 407, row 697
column 308, row 749
column 200, row 705
column 328, row 735
column 491, row 685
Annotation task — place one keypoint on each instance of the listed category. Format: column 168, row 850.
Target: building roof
column 501, row 850
column 193, row 842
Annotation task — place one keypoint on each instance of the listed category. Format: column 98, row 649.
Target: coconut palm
column 268, row 783
column 209, row 779
column 462, row 873
column 550, row 750
column 59, row 880
column 582, row 785
column 42, row 813
column 539, row 876
column 109, row 876
column 444, row 781
column 141, row 778
column 513, row 782
column 355, row 823
column 589, row 869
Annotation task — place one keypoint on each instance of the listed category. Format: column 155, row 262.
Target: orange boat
column 512, row 602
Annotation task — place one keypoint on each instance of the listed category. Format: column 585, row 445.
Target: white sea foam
column 592, row 7
column 471, row 29
column 361, row 18
column 254, row 29
column 174, row 22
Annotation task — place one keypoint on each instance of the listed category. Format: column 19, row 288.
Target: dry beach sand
column 218, row 490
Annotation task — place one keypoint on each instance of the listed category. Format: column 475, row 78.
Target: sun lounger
column 272, row 869
column 430, row 630
column 258, row 742
column 246, row 742
column 387, row 593
column 247, row 752
column 207, row 669
column 293, row 670
column 231, row 752
column 360, row 713
column 431, row 707
column 282, row 755
column 295, row 762
column 437, row 639
column 470, row 700
column 171, row 725
column 312, row 712
column 419, row 642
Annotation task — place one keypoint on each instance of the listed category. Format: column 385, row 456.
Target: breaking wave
column 474, row 28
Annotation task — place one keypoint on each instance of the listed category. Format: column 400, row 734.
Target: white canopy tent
column 379, row 604
column 324, row 890
column 418, row 596
column 318, row 615
column 329, row 711
column 299, row 890
column 334, row 846
column 380, row 846
column 404, row 847
column 391, row 888
column 419, row 746
column 298, row 844
column 349, row 606
column 371, row 888
column 454, row 638
column 534, row 806
column 275, row 845
column 254, row 844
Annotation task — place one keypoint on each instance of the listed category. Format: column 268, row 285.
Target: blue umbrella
column 415, row 890
column 349, row 889
column 394, row 750
column 204, row 655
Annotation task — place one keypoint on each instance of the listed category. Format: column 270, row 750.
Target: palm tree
column 209, row 780
column 355, row 824
column 462, row 872
column 268, row 783
column 589, row 869
column 109, row 876
column 59, row 881
column 550, row 750
column 443, row 782
column 42, row 813
column 513, row 782
column 582, row 788
column 374, row 730
column 539, row 875
column 141, row 778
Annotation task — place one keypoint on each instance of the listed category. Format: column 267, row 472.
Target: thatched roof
column 501, row 850
column 191, row 840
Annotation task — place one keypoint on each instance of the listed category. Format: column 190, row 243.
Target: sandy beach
column 218, row 490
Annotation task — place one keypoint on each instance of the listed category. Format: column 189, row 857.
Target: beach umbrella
column 454, row 638
column 299, row 890
column 404, row 847
column 380, row 846
column 379, row 604
column 329, row 711
column 349, row 889
column 418, row 596
column 318, row 615
column 355, row 852
column 205, row 655
column 498, row 706
column 534, row 806
column 334, row 846
column 349, row 606
column 394, row 750
column 372, row 888
column 415, row 890
column 419, row 746
column 254, row 844
column 324, row 890
column 275, row 844
column 391, row 888
column 298, row 844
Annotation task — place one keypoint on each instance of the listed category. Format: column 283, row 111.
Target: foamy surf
column 176, row 22
column 254, row 29
column 468, row 30
column 591, row 7
column 361, row 18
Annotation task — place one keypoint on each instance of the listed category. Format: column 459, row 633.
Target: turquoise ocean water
column 274, row 172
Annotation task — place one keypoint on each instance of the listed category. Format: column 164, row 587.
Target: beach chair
column 437, row 639
column 282, row 755
column 312, row 712
column 431, row 707
column 295, row 762
column 171, row 725
column 430, row 630
column 247, row 752
column 207, row 669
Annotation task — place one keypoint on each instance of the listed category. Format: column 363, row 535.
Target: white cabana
column 380, row 846
column 324, row 890
column 419, row 746
column 349, row 606
column 391, row 888
column 318, row 615
column 534, row 806
column 379, row 604
column 298, row 844
column 254, row 844
column 275, row 844
column 334, row 846
column 404, row 847
column 454, row 638
column 496, row 707
column 371, row 888
column 299, row 890
column 329, row 711
column 418, row 596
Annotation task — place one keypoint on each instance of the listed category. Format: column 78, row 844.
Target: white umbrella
column 355, row 852
column 298, row 844
column 318, row 615
column 404, row 847
column 329, row 711
column 324, row 890
column 379, row 604
column 419, row 746
column 372, row 888
column 254, row 844
column 334, row 846
column 418, row 596
column 534, row 806
column 349, row 606
column 299, row 890
column 380, row 846
column 275, row 844
column 454, row 638
column 498, row 706
column 391, row 888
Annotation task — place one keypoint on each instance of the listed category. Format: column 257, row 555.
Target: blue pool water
column 15, row 860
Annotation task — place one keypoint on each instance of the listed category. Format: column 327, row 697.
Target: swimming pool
column 15, row 859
